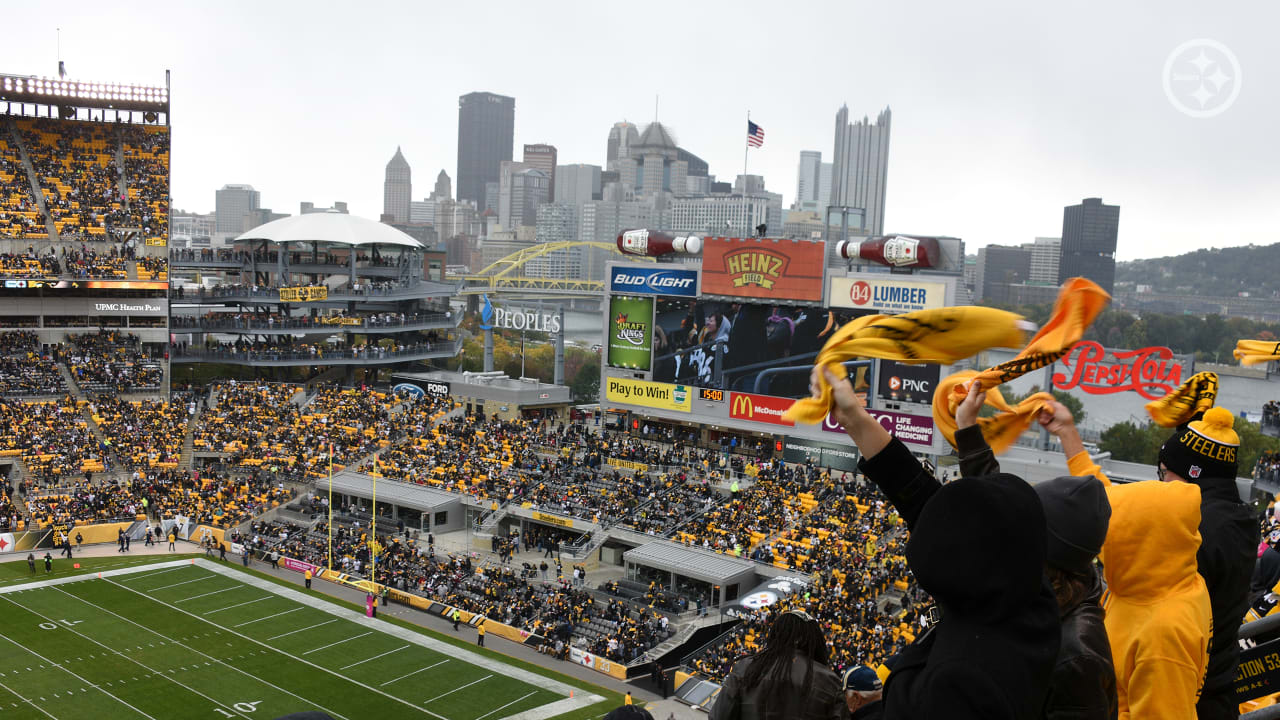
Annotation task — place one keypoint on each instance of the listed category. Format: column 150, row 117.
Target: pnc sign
column 1152, row 372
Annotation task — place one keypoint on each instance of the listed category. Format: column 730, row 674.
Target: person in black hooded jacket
column 1203, row 452
column 978, row 545
column 1077, row 514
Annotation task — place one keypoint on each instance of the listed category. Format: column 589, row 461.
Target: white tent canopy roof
column 330, row 227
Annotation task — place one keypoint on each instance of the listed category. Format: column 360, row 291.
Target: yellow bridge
column 504, row 275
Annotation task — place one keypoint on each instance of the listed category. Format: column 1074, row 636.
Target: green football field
column 201, row 639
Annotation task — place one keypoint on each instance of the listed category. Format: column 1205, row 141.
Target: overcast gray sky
column 1003, row 112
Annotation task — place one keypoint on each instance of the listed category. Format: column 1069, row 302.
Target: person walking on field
column 307, row 577
column 31, row 562
column 48, row 563
column 480, row 634
column 173, row 537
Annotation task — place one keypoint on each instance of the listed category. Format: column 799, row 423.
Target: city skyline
column 986, row 113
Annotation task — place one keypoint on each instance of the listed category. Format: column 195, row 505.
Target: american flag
column 755, row 134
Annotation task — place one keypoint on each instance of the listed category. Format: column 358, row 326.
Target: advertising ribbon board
column 636, row 280
column 552, row 519
column 911, row 429
column 885, row 293
column 765, row 268
column 630, row 332
column 759, row 408
column 660, row 396
column 900, row 382
column 304, row 294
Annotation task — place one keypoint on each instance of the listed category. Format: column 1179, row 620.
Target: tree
column 1070, row 401
column 1129, row 442
column 585, row 387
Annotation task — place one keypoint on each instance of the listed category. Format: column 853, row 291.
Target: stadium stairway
column 185, row 460
column 73, row 388
column 31, row 178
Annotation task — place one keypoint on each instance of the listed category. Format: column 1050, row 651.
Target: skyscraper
column 486, row 130
column 1046, row 252
column 860, row 167
column 232, row 203
column 621, row 137
column 1089, row 232
column 577, row 184
column 808, row 176
column 397, row 189
column 542, row 157
column 444, row 188
column 1000, row 266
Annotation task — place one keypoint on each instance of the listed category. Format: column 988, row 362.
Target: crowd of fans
column 110, row 362
column 75, row 167
column 19, row 214
column 146, row 172
column 141, row 434
column 553, row 609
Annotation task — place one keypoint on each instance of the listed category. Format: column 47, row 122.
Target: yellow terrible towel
column 1194, row 396
column 1256, row 352
column 939, row 336
column 1078, row 303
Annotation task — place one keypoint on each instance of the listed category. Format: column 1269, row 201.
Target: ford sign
column 637, row 280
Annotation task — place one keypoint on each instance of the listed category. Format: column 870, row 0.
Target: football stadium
column 328, row 466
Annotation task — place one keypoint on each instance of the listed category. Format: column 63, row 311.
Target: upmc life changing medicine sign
column 885, row 293
column 910, row 429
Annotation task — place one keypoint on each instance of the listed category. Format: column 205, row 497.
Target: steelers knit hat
column 1203, row 448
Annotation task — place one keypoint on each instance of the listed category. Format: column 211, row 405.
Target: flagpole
column 330, row 506
column 746, row 151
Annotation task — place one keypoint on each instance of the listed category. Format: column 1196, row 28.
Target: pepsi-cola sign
column 633, row 280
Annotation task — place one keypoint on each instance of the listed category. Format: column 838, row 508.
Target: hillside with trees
column 1216, row 272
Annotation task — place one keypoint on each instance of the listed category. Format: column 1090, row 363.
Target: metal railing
column 215, row 324
column 325, row 355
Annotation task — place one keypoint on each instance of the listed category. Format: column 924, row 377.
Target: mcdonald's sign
column 759, row 408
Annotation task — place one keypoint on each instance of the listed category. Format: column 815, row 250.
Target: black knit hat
column 1077, row 515
column 1203, row 448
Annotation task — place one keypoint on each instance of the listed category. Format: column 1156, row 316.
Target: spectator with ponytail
column 788, row 680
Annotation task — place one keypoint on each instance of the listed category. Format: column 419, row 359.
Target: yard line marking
column 76, row 676
column 415, row 672
column 11, row 692
column 464, row 687
column 504, row 707
column 161, row 572
column 191, row 649
column 286, row 612
column 277, row 637
column 248, row 602
column 375, row 657
column 322, row 647
column 166, row 587
column 215, row 592
column 304, row 661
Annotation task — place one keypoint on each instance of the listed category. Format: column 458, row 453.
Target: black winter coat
column 980, row 552
column 1229, row 537
column 1083, row 686
column 825, row 701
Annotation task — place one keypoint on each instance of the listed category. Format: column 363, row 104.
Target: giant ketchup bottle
column 895, row 251
column 653, row 243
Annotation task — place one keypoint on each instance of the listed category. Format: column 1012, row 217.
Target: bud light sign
column 635, row 280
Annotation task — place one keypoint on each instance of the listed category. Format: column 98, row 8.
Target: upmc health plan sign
column 634, row 280
column 885, row 293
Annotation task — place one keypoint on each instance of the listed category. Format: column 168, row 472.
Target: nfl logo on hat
column 1194, row 471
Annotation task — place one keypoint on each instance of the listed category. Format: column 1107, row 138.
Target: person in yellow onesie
column 1158, row 616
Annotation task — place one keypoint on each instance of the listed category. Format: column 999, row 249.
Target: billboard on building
column 900, row 382
column 763, row 268
column 748, row 347
column 837, row 456
column 886, row 293
column 637, row 279
column 660, row 396
column 759, row 408
column 630, row 328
